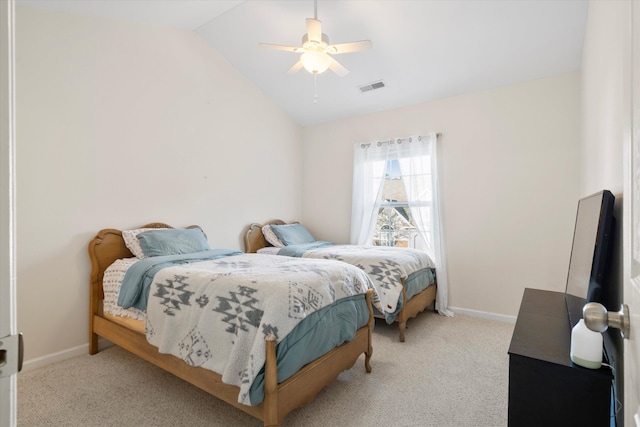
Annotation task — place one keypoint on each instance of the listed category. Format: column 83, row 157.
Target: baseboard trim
column 484, row 315
column 80, row 350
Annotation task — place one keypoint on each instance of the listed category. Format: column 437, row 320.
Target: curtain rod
column 391, row 141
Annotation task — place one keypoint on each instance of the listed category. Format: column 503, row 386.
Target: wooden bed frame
column 254, row 240
column 279, row 399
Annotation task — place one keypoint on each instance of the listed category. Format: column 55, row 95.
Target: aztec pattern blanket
column 216, row 314
column 385, row 265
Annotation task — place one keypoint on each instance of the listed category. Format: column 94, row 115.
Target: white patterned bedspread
column 111, row 282
column 385, row 265
column 216, row 314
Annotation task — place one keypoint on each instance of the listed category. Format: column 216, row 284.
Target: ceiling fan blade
column 314, row 30
column 349, row 47
column 337, row 68
column 281, row 47
column 295, row 67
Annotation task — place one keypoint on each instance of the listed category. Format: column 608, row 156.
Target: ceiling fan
column 316, row 50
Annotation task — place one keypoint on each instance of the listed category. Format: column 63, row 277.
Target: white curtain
column 369, row 165
column 418, row 160
column 414, row 158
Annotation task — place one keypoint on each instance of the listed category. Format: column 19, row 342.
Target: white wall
column 510, row 180
column 122, row 124
column 603, row 97
column 606, row 94
column 606, row 91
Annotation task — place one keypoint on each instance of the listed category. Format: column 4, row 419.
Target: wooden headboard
column 107, row 247
column 254, row 239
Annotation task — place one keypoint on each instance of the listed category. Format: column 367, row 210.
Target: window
column 395, row 225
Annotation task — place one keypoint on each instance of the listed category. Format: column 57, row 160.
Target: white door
column 632, row 232
column 7, row 210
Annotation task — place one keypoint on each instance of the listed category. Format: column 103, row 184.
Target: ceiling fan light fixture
column 315, row 62
column 316, row 51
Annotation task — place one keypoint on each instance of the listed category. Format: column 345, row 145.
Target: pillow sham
column 269, row 250
column 132, row 243
column 270, row 236
column 292, row 234
column 173, row 241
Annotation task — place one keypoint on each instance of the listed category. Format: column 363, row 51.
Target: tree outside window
column 394, row 225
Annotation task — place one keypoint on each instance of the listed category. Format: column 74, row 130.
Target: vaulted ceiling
column 421, row 50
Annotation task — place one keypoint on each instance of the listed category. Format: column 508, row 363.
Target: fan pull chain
column 315, row 88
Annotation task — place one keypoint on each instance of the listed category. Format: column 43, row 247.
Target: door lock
column 11, row 355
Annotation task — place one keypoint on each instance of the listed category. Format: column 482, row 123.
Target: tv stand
column 545, row 387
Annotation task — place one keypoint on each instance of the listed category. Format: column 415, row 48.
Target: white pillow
column 269, row 250
column 271, row 237
column 133, row 244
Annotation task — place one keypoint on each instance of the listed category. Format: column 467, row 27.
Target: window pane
column 393, row 189
column 395, row 225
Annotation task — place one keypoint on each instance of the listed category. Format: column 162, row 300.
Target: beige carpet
column 449, row 372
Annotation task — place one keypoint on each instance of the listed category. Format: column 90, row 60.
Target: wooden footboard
column 411, row 308
column 414, row 306
column 279, row 399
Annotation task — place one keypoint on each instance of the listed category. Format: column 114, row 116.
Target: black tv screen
column 589, row 253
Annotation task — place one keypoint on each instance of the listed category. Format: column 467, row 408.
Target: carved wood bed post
column 369, row 353
column 93, row 337
column 95, row 295
column 402, row 317
column 270, row 383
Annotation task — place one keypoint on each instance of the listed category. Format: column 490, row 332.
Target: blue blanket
column 300, row 249
column 134, row 291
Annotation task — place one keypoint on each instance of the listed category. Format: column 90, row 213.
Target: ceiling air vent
column 371, row 86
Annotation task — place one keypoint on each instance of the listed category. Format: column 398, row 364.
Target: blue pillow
column 174, row 241
column 292, row 234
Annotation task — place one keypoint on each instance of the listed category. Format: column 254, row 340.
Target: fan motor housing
column 310, row 44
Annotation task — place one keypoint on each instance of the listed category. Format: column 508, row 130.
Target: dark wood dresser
column 545, row 387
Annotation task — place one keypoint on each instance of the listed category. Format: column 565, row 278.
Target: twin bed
column 249, row 329
column 403, row 278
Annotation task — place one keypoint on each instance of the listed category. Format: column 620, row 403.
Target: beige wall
column 510, row 180
column 603, row 97
column 606, row 94
column 121, row 124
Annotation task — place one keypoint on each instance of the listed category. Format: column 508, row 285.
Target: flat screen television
column 590, row 253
